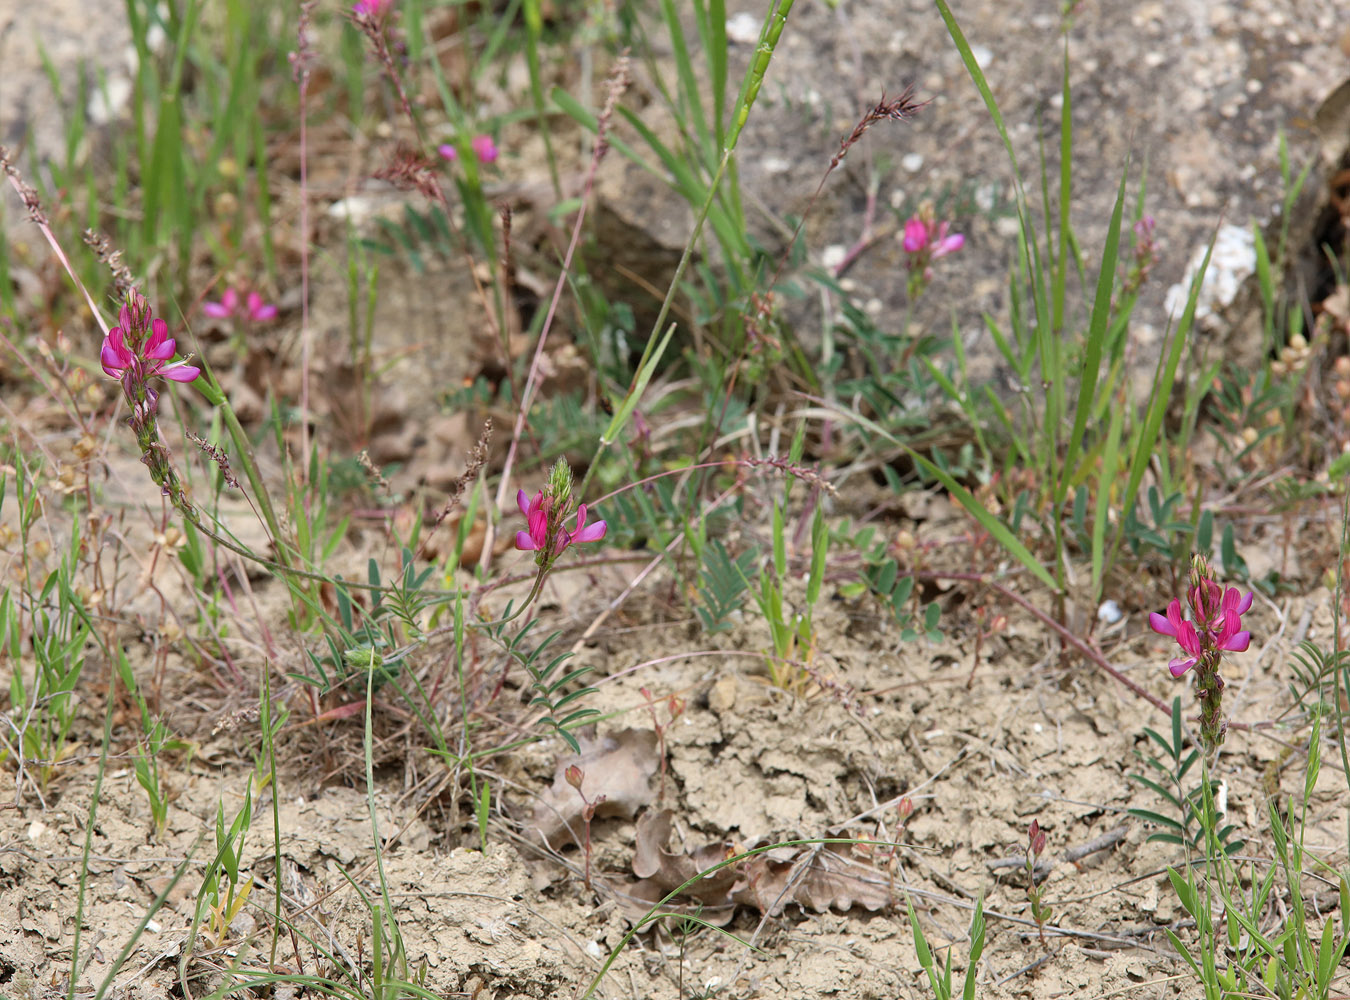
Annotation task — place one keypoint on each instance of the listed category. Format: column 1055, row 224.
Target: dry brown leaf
column 813, row 876
column 619, row 767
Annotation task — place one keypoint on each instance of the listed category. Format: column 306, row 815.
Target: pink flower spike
column 484, row 148
column 584, row 534
column 447, row 151
column 258, row 310
column 121, row 362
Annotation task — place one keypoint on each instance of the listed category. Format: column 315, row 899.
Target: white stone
column 1233, row 262
column 109, row 101
column 833, row 255
column 743, row 28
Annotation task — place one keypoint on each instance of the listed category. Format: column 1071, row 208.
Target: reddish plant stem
column 1084, row 648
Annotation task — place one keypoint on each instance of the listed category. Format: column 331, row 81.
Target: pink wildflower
column 142, row 359
column 484, row 148
column 932, row 237
column 225, row 307
column 258, row 310
column 925, row 240
column 482, row 145
column 254, row 307
column 1219, row 621
column 1215, row 628
column 538, row 519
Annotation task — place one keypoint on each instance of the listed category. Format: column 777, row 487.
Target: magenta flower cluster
column 135, row 352
column 483, row 147
column 540, row 525
column 925, row 240
column 1217, row 624
column 1215, row 628
column 252, row 306
column 931, row 238
column 139, row 348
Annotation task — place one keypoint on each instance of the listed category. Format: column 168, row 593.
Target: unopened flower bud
column 135, row 317
column 560, row 483
column 574, row 776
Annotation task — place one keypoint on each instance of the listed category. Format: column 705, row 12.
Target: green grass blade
column 1097, row 329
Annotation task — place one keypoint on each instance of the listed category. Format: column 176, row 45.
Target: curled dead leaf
column 813, row 876
column 619, row 767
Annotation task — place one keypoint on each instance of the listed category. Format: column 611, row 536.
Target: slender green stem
column 656, row 344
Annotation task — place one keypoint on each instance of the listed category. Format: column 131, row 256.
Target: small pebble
column 743, row 28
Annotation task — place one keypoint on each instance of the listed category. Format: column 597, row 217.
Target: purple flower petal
column 1161, row 625
column 1181, row 665
column 916, row 235
column 584, row 534
column 181, row 372
column 258, row 310
column 114, row 356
